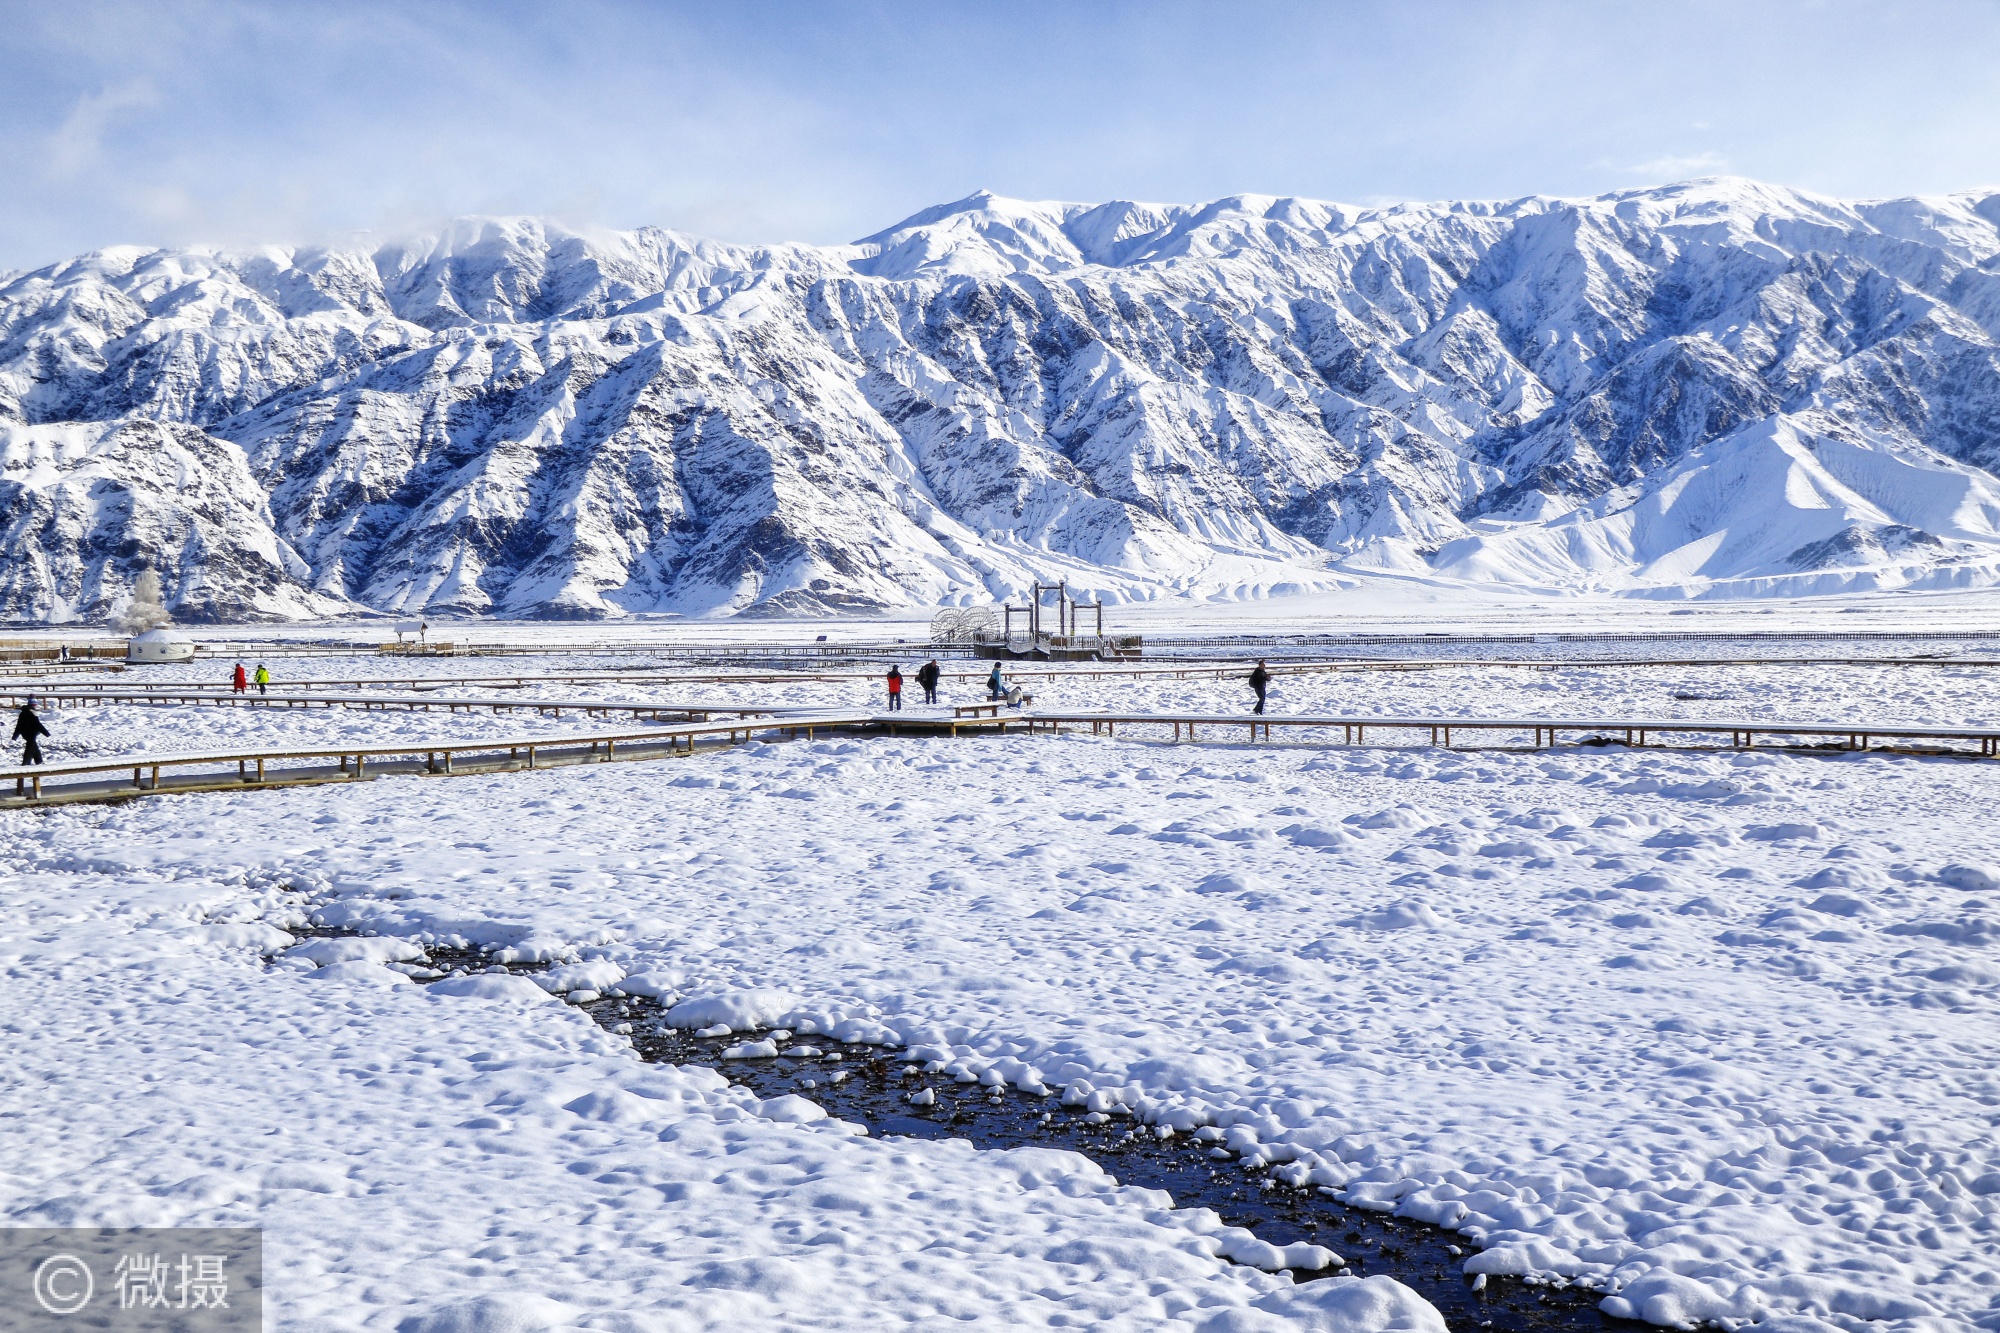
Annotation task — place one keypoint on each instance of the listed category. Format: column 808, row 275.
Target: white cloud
column 77, row 144
column 233, row 121
column 1674, row 168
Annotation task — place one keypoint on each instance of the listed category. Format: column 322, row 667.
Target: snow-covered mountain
column 1716, row 388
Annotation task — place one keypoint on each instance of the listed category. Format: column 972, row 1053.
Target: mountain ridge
column 1717, row 388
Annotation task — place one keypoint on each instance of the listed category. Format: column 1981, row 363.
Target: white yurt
column 159, row 645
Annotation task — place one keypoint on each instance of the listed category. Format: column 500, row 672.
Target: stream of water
column 883, row 1091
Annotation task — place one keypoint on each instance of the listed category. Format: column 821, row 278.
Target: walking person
column 263, row 679
column 927, row 676
column 237, row 680
column 895, row 689
column 1260, row 681
column 996, row 685
column 28, row 729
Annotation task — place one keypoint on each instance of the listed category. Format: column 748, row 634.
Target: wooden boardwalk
column 423, row 701
column 132, row 684
column 127, row 776
column 1743, row 733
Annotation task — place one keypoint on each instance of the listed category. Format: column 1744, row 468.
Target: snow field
column 1915, row 696
column 436, row 1163
column 1942, row 695
column 1709, row 1031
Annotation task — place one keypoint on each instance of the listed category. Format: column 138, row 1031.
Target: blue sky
column 230, row 123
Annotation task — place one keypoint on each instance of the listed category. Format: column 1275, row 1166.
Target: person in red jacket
column 238, row 681
column 895, row 689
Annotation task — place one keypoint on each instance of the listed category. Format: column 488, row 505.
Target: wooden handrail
column 1354, row 729
column 361, row 753
column 291, row 699
column 1741, row 731
column 1210, row 669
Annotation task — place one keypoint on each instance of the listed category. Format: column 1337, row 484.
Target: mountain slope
column 1717, row 388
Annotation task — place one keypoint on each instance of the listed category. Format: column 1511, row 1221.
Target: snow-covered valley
column 1716, row 389
column 1707, row 1031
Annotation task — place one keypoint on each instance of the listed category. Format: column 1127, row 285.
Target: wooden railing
column 68, row 697
column 353, row 762
column 1742, row 733
column 71, row 779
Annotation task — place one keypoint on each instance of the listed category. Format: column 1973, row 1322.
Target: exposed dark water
column 874, row 1087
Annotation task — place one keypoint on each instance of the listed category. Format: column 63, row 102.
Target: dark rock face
column 1710, row 389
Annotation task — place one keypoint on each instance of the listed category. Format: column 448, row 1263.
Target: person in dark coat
column 29, row 730
column 895, row 689
column 928, row 676
column 996, row 684
column 1260, row 681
